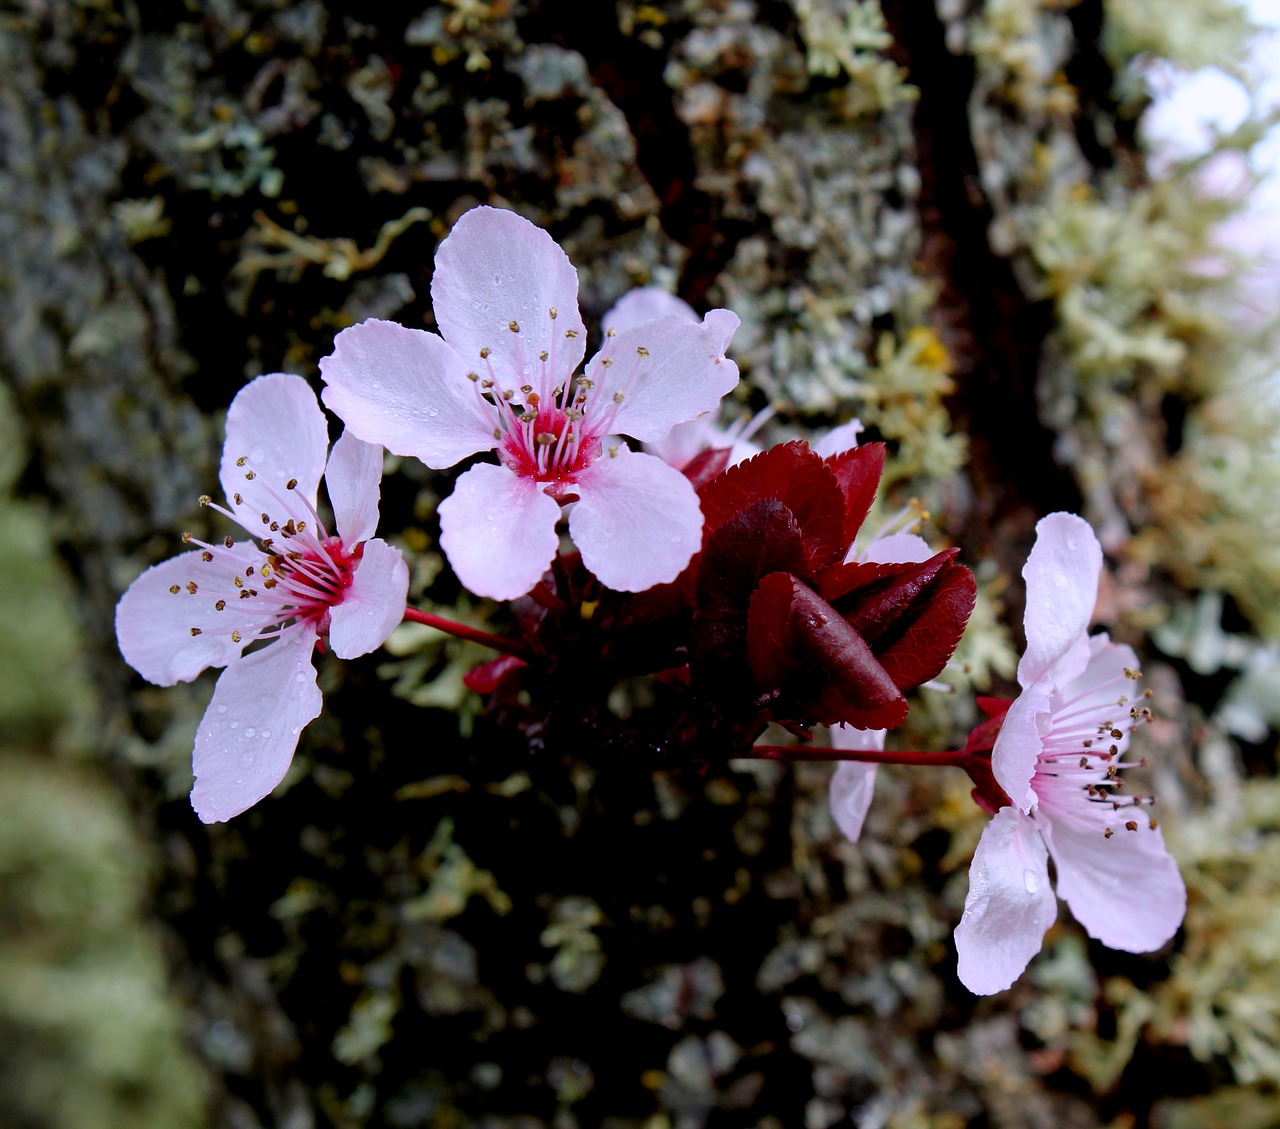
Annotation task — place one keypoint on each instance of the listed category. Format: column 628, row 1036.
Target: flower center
column 550, row 428
column 553, row 447
column 1082, row 757
column 295, row 574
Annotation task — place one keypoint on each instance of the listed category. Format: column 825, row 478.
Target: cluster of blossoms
column 728, row 573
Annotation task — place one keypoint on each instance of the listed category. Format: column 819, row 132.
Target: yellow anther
column 235, row 637
column 291, row 484
column 514, row 326
column 219, row 605
column 554, row 313
column 196, row 631
column 173, row 588
column 192, row 587
column 641, row 351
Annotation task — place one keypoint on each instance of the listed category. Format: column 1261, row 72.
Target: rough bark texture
column 432, row 926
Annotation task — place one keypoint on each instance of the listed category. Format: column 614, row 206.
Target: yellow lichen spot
column 929, row 351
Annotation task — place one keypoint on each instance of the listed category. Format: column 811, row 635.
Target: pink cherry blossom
column 1058, row 758
column 501, row 377
column 292, row 585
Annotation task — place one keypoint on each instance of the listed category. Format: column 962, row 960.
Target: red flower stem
column 462, row 631
column 957, row 759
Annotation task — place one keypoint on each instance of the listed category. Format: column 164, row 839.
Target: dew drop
column 222, row 709
column 490, row 517
column 246, row 760
column 266, row 733
column 233, row 724
column 250, row 731
column 299, row 677
column 1030, row 881
column 432, row 413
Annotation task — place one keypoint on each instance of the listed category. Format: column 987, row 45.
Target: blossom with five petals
column 500, row 376
column 1058, row 759
column 296, row 586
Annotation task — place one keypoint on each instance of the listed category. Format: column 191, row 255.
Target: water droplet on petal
column 233, row 724
column 1030, row 881
column 432, row 413
column 246, row 760
column 299, row 677
column 266, row 733
column 222, row 709
column 250, row 731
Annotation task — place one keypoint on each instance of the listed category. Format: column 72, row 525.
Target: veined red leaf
column 858, row 472
column 759, row 539
column 797, row 477
column 921, row 641
column 800, row 646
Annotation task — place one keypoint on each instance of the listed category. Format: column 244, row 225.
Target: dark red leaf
column 488, row 676
column 795, row 476
column 917, row 646
column 799, row 645
column 706, row 465
column 858, row 473
column 872, row 595
column 982, row 737
column 760, row 539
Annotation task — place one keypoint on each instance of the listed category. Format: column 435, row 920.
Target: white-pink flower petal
column 248, row 735
column 276, row 427
column 645, row 304
column 853, row 783
column 353, row 481
column 1125, row 890
column 498, row 530
column 664, row 372
column 494, row 271
column 1020, row 741
column 894, row 548
column 407, row 390
column 373, row 605
column 154, row 622
column 1010, row 904
column 638, row 522
column 1062, row 575
column 838, row 439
